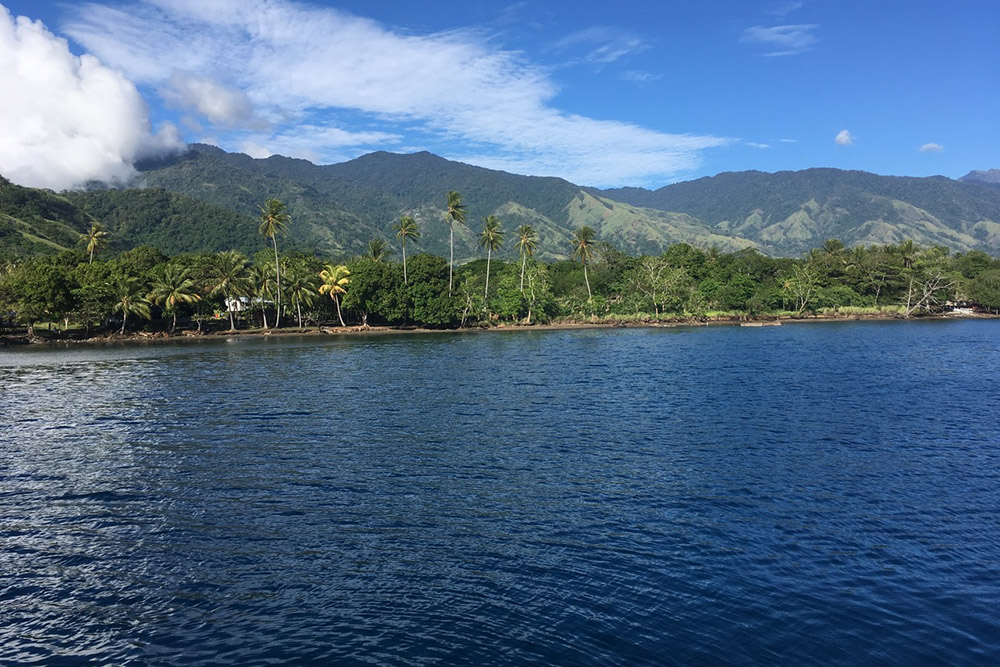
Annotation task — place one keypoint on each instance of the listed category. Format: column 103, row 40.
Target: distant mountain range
column 206, row 199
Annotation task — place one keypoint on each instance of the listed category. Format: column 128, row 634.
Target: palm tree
column 527, row 242
column 173, row 288
column 274, row 219
column 301, row 287
column 583, row 249
column 335, row 280
column 491, row 239
column 264, row 287
column 406, row 228
column 376, row 249
column 455, row 213
column 129, row 300
column 97, row 240
column 227, row 276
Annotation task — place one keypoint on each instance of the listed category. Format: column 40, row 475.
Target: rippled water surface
column 809, row 494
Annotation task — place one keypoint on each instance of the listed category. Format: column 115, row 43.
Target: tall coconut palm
column 492, row 239
column 301, row 289
column 129, row 300
column 583, row 249
column 172, row 289
column 335, row 280
column 97, row 240
column 455, row 213
column 264, row 287
column 406, row 228
column 527, row 242
column 273, row 220
column 226, row 276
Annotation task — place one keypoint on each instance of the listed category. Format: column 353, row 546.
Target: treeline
column 144, row 287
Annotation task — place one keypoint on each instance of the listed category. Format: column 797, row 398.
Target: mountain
column 34, row 221
column 789, row 212
column 337, row 208
column 988, row 176
column 207, row 199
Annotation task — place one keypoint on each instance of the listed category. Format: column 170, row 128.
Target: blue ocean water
column 808, row 494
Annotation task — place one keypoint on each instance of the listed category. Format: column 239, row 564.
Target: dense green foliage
column 144, row 287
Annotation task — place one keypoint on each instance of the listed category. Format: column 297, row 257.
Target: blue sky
column 600, row 93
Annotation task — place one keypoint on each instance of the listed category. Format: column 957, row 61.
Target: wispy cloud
column 66, row 120
column 843, row 138
column 601, row 45
column 754, row 144
column 782, row 40
column 784, row 8
column 931, row 148
column 296, row 63
column 638, row 76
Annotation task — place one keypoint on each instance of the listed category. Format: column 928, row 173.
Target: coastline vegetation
column 84, row 292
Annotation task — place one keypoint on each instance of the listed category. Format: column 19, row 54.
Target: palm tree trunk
column 590, row 296
column 124, row 320
column 91, row 256
column 336, row 300
column 486, row 295
column 232, row 322
column 277, row 276
column 263, row 312
column 524, row 262
column 298, row 308
column 451, row 260
column 173, row 324
column 404, row 260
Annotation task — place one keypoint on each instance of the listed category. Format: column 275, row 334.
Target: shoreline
column 19, row 340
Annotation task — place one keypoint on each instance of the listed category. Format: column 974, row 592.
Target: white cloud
column 931, row 148
column 754, row 144
column 221, row 105
column 66, row 120
column 783, row 40
column 297, row 62
column 844, row 138
column 785, row 8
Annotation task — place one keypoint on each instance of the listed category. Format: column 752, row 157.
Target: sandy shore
column 193, row 335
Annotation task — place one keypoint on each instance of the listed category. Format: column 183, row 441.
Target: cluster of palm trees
column 491, row 238
column 230, row 277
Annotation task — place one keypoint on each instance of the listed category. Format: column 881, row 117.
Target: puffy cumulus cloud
column 782, row 40
column 843, row 138
column 298, row 62
column 931, row 148
column 67, row 120
column 221, row 105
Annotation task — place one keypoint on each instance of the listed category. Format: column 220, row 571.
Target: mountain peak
column 987, row 176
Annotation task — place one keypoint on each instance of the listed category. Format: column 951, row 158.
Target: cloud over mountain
column 66, row 120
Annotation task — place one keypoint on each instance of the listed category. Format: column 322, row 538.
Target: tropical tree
column 173, row 288
column 96, row 239
column 226, row 276
column 264, row 288
column 406, row 228
column 301, row 288
column 129, row 300
column 527, row 242
column 492, row 239
column 583, row 249
column 335, row 280
column 376, row 248
column 273, row 220
column 455, row 213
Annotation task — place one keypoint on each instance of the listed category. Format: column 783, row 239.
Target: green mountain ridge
column 787, row 213
column 207, row 199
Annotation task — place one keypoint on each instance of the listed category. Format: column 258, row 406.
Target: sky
column 602, row 94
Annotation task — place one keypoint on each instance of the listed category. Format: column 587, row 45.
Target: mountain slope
column 337, row 208
column 788, row 213
column 38, row 221
column 988, row 176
